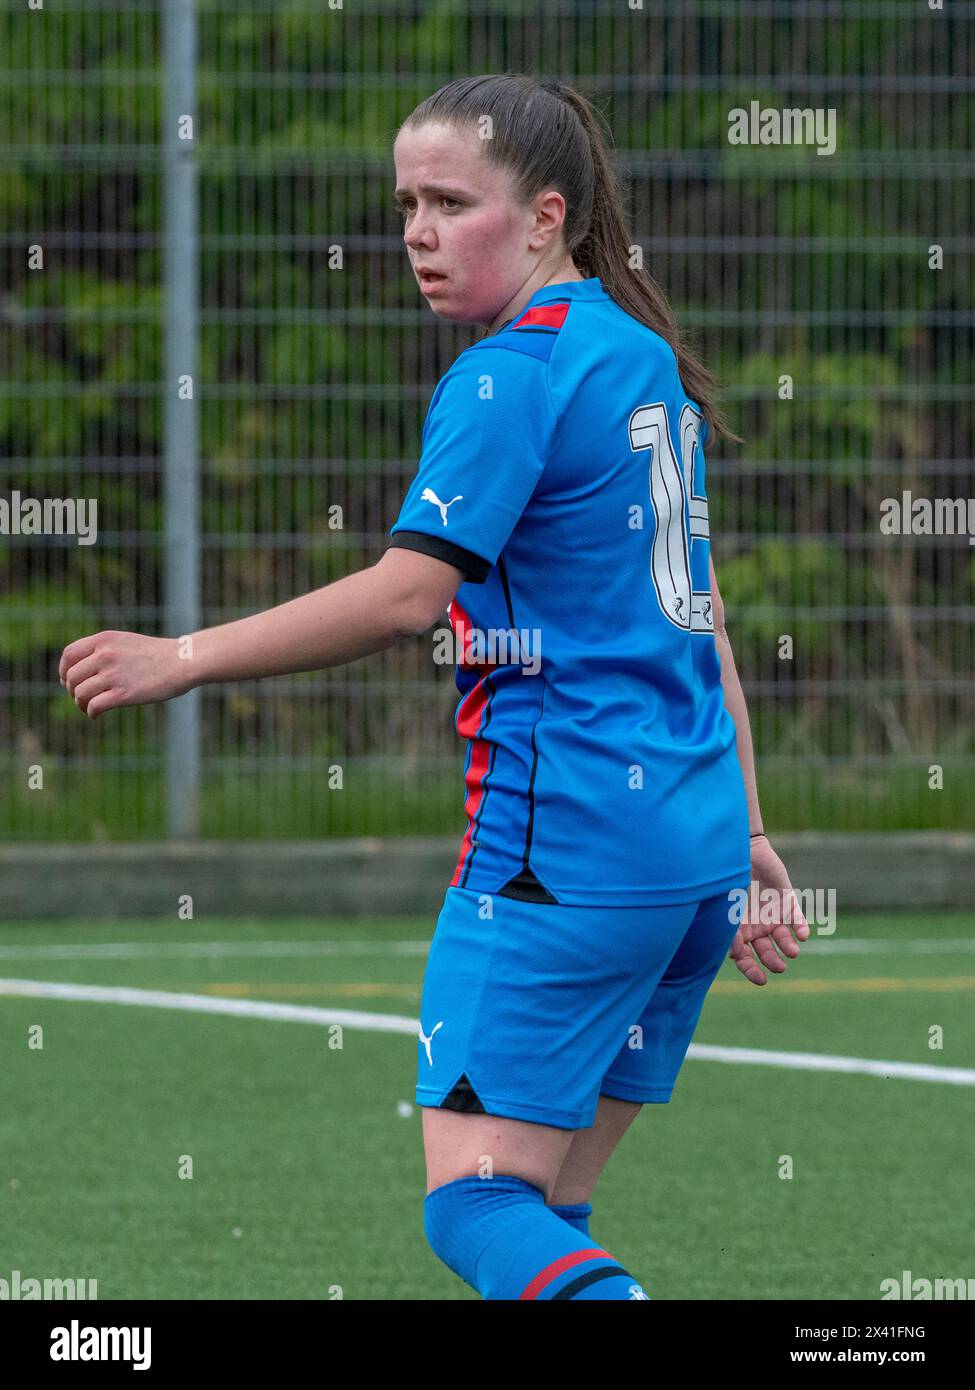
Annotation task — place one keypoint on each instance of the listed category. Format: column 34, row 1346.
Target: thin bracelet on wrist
column 757, row 834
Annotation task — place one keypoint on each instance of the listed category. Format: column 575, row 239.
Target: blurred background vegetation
column 318, row 357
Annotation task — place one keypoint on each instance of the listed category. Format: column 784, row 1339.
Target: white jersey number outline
column 670, row 554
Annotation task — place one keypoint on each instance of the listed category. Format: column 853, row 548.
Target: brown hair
column 550, row 136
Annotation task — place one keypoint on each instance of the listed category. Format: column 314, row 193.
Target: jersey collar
column 549, row 294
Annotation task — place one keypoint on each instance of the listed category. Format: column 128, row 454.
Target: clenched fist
column 110, row 669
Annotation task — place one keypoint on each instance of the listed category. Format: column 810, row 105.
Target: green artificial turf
column 306, row 1157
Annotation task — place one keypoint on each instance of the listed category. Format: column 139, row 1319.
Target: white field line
column 814, row 1061
column 193, row 950
column 398, row 1023
column 204, row 1004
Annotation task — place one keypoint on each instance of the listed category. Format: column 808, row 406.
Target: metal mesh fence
column 830, row 292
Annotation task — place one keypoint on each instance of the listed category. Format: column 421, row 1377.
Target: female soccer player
column 559, row 510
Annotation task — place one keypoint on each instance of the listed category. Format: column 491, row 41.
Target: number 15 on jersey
column 681, row 513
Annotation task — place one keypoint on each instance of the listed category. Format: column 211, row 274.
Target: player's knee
column 447, row 1217
column 461, row 1217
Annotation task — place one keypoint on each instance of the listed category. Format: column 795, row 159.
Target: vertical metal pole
column 181, row 389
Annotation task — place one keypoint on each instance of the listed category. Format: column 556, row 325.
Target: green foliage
column 836, row 399
column 103, row 346
column 41, row 614
column 286, row 150
column 782, row 578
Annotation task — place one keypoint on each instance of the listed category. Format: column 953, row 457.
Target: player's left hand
column 783, row 926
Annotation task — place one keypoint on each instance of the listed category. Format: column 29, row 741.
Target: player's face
column 461, row 220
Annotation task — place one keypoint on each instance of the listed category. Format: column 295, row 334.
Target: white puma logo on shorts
column 426, row 1041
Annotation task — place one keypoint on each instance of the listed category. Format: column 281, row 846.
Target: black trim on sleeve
column 474, row 566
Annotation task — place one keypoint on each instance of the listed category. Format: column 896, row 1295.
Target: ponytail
column 604, row 251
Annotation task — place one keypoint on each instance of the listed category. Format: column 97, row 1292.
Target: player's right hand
column 110, row 669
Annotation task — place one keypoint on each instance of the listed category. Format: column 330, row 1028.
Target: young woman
column 559, row 510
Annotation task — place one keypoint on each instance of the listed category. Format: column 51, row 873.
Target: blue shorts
column 534, row 1010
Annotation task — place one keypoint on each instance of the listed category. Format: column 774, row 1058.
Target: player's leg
column 590, row 1151
column 486, row 1217
column 458, row 1145
column 648, row 1063
column 524, row 1007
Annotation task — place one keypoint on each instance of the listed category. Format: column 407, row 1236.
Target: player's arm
column 756, row 946
column 734, row 698
column 400, row 596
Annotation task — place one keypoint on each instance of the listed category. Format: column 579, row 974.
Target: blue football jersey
column 562, row 472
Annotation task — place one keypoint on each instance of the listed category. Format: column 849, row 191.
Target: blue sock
column 501, row 1238
column 577, row 1215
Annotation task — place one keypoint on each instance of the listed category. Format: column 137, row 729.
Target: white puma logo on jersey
column 636, row 1293
column 426, row 1041
column 428, row 495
